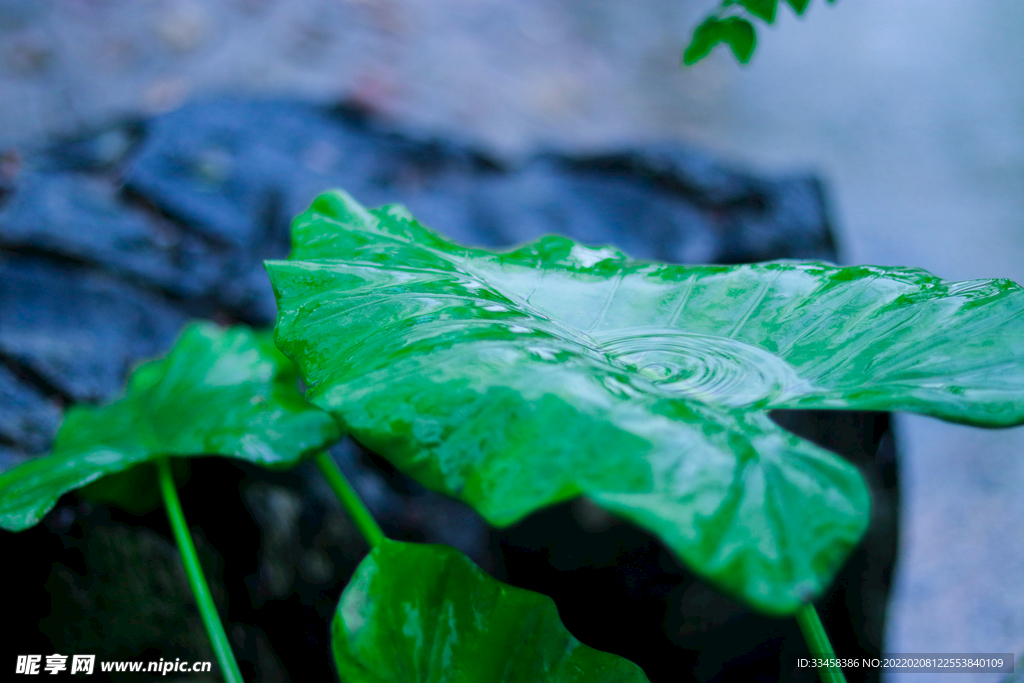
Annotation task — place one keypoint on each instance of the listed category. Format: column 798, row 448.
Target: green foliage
column 731, row 26
column 218, row 392
column 427, row 613
column 516, row 380
column 737, row 33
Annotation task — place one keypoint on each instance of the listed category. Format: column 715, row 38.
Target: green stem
column 350, row 499
column 194, row 572
column 818, row 643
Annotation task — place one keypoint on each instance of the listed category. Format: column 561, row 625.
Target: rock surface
column 111, row 242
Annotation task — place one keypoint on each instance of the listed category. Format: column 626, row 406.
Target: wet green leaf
column 218, row 392
column 516, row 380
column 418, row 613
column 736, row 32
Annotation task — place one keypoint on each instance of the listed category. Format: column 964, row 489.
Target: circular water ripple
column 712, row 369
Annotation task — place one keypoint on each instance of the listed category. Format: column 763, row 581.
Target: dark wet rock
column 234, row 169
column 27, row 417
column 237, row 171
column 82, row 218
column 109, row 243
column 221, row 167
column 245, row 289
column 10, row 457
column 79, row 332
column 596, row 208
column 699, row 177
column 788, row 224
column 100, row 151
column 753, row 218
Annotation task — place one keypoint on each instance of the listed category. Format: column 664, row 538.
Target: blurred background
column 911, row 111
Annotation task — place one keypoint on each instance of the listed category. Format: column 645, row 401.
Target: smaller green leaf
column 736, row 32
column 799, row 5
column 704, row 40
column 762, row 9
column 218, row 392
column 427, row 613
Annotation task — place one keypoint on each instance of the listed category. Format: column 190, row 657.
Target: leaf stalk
column 818, row 643
column 194, row 572
column 367, row 525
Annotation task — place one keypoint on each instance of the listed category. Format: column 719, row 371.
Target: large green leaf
column 519, row 379
column 218, row 392
column 426, row 614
